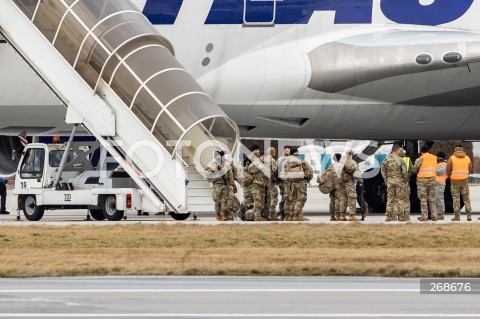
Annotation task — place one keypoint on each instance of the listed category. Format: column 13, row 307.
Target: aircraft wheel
column 31, row 210
column 375, row 194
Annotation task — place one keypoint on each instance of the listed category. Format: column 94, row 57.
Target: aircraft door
column 259, row 12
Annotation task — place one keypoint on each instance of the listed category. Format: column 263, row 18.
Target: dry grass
column 276, row 249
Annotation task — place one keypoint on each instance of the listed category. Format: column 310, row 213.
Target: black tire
column 179, row 216
column 31, row 210
column 375, row 194
column 97, row 214
column 109, row 208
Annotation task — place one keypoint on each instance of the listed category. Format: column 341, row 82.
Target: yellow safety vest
column 442, row 179
column 460, row 168
column 429, row 166
column 407, row 162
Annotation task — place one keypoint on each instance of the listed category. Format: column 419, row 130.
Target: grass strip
column 451, row 250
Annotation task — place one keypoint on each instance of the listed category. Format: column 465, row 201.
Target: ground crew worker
column 459, row 167
column 298, row 173
column 394, row 172
column 281, row 185
column 440, row 182
column 272, row 187
column 257, row 168
column 406, row 184
column 350, row 175
column 426, row 169
column 220, row 175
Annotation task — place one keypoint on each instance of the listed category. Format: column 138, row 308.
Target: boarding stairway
column 118, row 77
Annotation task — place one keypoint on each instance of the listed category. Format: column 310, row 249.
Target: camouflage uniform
column 297, row 173
column 272, row 188
column 394, row 172
column 405, row 201
column 349, row 176
column 221, row 181
column 426, row 192
column 440, row 188
column 260, row 180
column 340, row 202
column 281, row 185
column 232, row 202
column 459, row 187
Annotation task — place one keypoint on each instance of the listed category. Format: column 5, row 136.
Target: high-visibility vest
column 460, row 168
column 442, row 179
column 407, row 162
column 429, row 166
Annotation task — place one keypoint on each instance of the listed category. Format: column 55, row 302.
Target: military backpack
column 326, row 181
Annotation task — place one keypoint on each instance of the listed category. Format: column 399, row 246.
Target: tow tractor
column 49, row 178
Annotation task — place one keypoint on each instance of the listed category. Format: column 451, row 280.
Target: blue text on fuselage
column 300, row 11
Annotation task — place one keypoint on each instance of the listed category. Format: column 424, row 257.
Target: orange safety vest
column 429, row 166
column 442, row 179
column 460, row 168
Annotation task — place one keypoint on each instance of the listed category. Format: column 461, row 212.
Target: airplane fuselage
column 338, row 69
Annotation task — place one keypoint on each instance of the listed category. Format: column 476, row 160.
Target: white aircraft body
column 324, row 69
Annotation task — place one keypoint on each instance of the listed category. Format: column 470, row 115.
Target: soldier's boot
column 353, row 218
column 456, row 218
column 258, row 217
column 297, row 217
column 273, row 217
column 401, row 218
column 434, row 218
column 289, row 217
column 337, row 216
column 469, row 217
column 388, row 217
column 230, row 216
column 407, row 217
column 225, row 217
column 219, row 217
column 332, row 217
column 424, row 218
column 342, row 217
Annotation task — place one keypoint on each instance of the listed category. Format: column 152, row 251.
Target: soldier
column 406, row 185
column 298, row 173
column 394, row 172
column 280, row 182
column 426, row 169
column 220, row 175
column 267, row 180
column 233, row 204
column 246, row 183
column 440, row 182
column 341, row 199
column 351, row 174
column 272, row 187
column 338, row 197
column 459, row 167
column 257, row 169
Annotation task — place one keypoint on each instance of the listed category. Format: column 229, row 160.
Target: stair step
column 206, row 192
